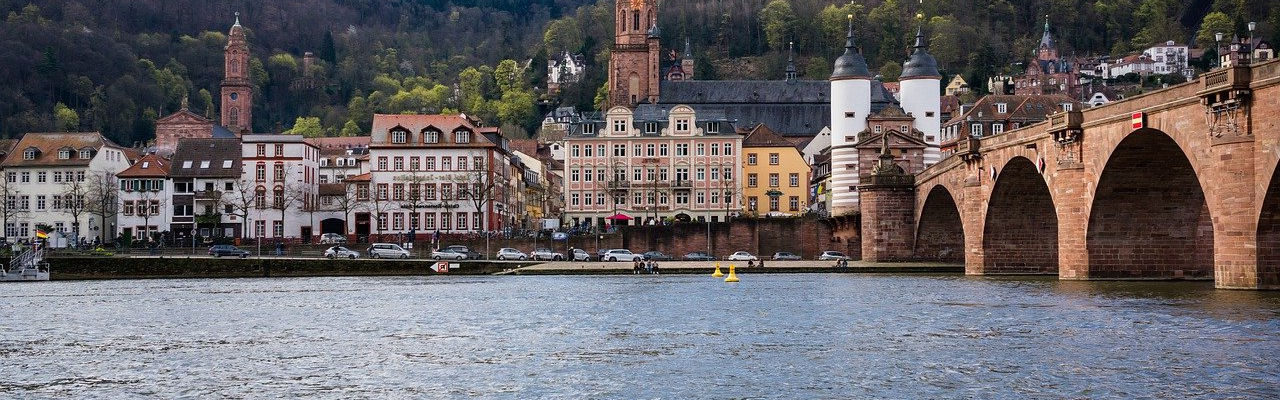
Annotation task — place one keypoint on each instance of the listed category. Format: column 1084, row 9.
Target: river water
column 671, row 337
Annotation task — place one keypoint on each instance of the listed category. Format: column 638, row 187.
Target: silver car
column 581, row 255
column 546, row 255
column 341, row 252
column 387, row 250
column 832, row 256
column 507, row 253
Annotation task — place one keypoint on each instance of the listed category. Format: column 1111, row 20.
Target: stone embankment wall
column 73, row 268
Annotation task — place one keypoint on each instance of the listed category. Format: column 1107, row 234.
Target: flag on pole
column 40, row 233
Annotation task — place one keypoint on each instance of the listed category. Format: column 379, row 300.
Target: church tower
column 850, row 107
column 633, row 62
column 921, row 92
column 1048, row 50
column 237, row 94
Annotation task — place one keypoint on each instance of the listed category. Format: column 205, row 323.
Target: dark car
column 699, row 256
column 227, row 250
column 654, row 255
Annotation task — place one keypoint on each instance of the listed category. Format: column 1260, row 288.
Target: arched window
column 233, row 118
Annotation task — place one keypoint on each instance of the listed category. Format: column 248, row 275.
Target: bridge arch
column 1149, row 218
column 1269, row 233
column 940, row 231
column 1020, row 231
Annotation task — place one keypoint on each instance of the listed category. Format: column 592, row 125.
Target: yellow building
column 776, row 175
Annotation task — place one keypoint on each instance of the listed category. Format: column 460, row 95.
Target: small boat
column 29, row 266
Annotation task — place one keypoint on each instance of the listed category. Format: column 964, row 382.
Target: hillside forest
column 115, row 66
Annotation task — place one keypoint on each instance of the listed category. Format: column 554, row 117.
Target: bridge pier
column 1235, row 227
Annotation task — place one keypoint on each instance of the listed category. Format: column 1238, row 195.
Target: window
column 446, row 164
column 751, row 159
column 260, row 172
column 587, row 151
column 682, row 125
column 397, row 163
column 975, row 130
column 399, row 137
column 795, row 180
column 362, row 192
column 444, row 221
column 446, row 191
column 462, row 221
column 904, row 129
column 29, row 154
column 600, row 175
column 649, row 150
column 429, row 221
column 262, row 150
column 462, row 163
column 773, row 180
column 619, row 150
column 682, row 149
column 475, row 221
column 715, row 174
column 79, row 176
column 728, row 174
column 86, row 154
column 461, row 137
column 40, row 202
column 127, row 209
column 429, row 191
column 1066, row 106
column 682, row 198
column 397, row 192
column 651, row 128
column 382, row 163
column 573, row 175
column 259, row 228
column 773, row 158
column 26, row 177
column 619, row 126
column 662, row 150
column 279, row 150
column 397, row 221
column 702, row 198
column 226, row 164
column 414, row 163
column 478, row 163
column 599, row 199
column 752, row 180
column 573, row 199
column 588, row 129
column 877, row 128
column 413, row 221
column 57, row 178
column 773, row 204
column 997, row 129
column 728, row 149
column 700, row 173
column 702, row 149
column 715, row 149
column 1002, row 108
column 713, row 127
column 383, row 221
column 382, row 191
column 682, row 174
column 57, row 202
column 41, row 177
column 431, row 136
column 279, row 171
column 64, row 154
column 752, row 202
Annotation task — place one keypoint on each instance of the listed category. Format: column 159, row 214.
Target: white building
column 145, row 195
column 47, row 184
column 1170, row 58
column 283, row 171
column 424, row 170
column 565, row 69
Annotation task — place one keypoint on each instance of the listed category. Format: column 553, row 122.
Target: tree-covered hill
column 117, row 65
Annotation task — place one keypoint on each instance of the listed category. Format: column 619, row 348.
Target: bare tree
column 414, row 199
column 74, row 191
column 150, row 204
column 379, row 203
column 243, row 199
column 287, row 195
column 348, row 203
column 9, row 203
column 478, row 187
column 103, row 198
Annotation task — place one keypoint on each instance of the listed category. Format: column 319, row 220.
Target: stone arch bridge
column 1180, row 183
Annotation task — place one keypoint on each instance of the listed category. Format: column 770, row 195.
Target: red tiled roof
column 340, row 142
column 365, row 177
column 150, row 166
column 415, row 122
column 48, row 144
column 762, row 136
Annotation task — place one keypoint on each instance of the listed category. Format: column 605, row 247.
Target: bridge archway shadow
column 940, row 234
column 1020, row 234
column 1149, row 218
column 1269, row 234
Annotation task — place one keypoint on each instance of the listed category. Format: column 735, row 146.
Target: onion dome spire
column 852, row 64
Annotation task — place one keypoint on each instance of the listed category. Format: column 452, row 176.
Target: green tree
column 517, row 108
column 562, row 35
column 834, row 21
column 205, row 100
column 1214, row 22
column 778, row 20
column 65, row 119
column 307, row 127
column 890, row 71
column 509, row 76
column 351, row 129
column 602, row 96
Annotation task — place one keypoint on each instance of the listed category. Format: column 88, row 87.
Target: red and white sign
column 441, row 267
column 1040, row 165
column 1138, row 120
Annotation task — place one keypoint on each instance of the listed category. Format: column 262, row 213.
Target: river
column 671, row 337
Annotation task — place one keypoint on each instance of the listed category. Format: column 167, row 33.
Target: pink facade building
column 652, row 164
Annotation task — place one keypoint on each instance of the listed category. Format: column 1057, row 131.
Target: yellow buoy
column 733, row 276
column 717, row 274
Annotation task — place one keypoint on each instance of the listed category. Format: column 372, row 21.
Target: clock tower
column 237, row 93
column 633, row 61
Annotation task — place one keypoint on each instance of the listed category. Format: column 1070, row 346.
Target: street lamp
column 1217, row 46
column 1252, row 26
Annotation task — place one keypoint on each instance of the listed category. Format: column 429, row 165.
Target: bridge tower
column 888, row 203
column 921, row 86
column 850, row 107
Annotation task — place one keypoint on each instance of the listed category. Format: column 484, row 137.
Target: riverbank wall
column 89, row 268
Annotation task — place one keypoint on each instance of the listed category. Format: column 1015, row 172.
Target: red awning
column 619, row 217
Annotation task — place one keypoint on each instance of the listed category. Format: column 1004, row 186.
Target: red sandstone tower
column 237, row 95
column 633, row 63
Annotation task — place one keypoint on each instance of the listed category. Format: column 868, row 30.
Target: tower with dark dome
column 850, row 107
column 921, row 95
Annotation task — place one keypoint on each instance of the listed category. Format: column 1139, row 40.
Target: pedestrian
column 751, row 264
column 279, row 248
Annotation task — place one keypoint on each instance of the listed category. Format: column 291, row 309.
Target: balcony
column 208, row 195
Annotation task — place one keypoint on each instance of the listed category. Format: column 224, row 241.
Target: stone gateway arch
column 1179, row 183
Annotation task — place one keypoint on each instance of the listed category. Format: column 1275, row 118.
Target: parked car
column 785, row 256
column 332, row 238
column 832, row 256
column 387, row 250
column 699, row 256
column 654, row 255
column 227, row 250
column 546, row 254
column 448, row 253
column 580, row 255
column 460, row 249
column 742, row 256
column 507, row 253
column 622, row 255
column 341, row 252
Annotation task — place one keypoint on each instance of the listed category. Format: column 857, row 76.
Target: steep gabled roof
column 48, row 143
column 193, row 153
column 762, row 136
column 150, row 166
